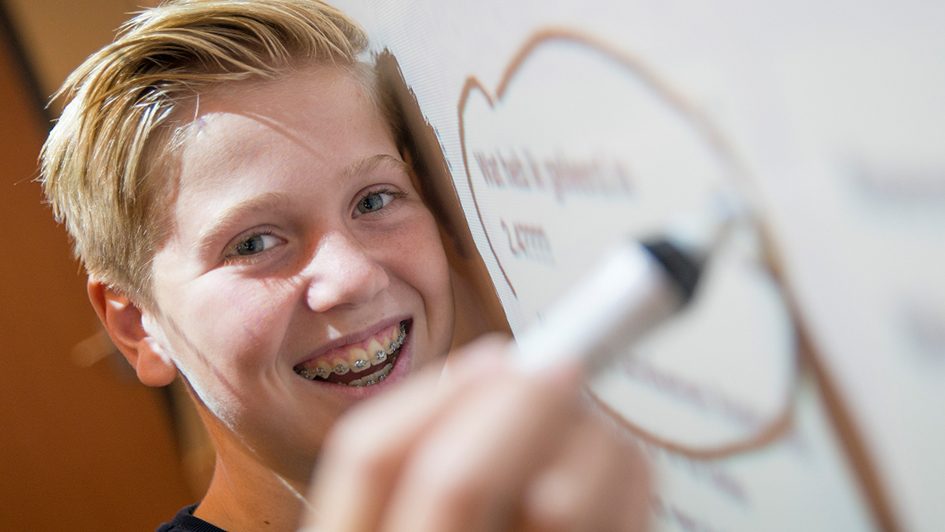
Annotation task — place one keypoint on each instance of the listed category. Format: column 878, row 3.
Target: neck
column 246, row 495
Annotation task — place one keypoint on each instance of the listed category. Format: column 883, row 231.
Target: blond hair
column 99, row 163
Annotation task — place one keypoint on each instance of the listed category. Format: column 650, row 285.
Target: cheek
column 233, row 323
column 224, row 339
column 435, row 270
column 423, row 262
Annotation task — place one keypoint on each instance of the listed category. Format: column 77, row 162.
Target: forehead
column 316, row 115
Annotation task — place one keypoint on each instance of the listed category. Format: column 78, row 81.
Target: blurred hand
column 478, row 447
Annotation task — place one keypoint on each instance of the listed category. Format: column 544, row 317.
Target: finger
column 362, row 456
column 468, row 473
column 482, row 355
column 598, row 482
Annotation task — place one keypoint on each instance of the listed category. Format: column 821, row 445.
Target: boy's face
column 298, row 243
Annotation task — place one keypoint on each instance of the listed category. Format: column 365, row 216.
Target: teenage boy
column 236, row 190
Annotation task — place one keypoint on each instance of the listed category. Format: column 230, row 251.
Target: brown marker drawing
column 621, row 61
column 809, row 358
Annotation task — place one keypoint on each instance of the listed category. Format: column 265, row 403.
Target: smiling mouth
column 365, row 364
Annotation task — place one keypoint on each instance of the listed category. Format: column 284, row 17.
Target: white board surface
column 570, row 124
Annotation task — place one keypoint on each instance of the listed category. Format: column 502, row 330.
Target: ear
column 123, row 322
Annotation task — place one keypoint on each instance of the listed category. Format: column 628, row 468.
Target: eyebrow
column 369, row 164
column 232, row 217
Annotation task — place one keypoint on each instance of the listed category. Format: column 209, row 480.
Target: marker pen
column 637, row 286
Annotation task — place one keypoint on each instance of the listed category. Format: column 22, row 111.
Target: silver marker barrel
column 633, row 290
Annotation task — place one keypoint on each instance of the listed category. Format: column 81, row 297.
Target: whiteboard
column 803, row 390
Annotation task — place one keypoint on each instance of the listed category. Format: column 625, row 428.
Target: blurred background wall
column 83, row 445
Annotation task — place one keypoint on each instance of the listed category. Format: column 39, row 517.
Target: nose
column 342, row 273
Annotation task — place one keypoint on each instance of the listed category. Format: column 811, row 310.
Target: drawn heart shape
column 582, row 145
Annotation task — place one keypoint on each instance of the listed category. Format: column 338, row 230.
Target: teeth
column 394, row 342
column 375, row 347
column 377, row 352
column 398, row 340
column 309, row 373
column 373, row 378
column 340, row 368
column 358, row 359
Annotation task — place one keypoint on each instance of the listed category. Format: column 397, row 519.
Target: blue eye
column 374, row 201
column 255, row 244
